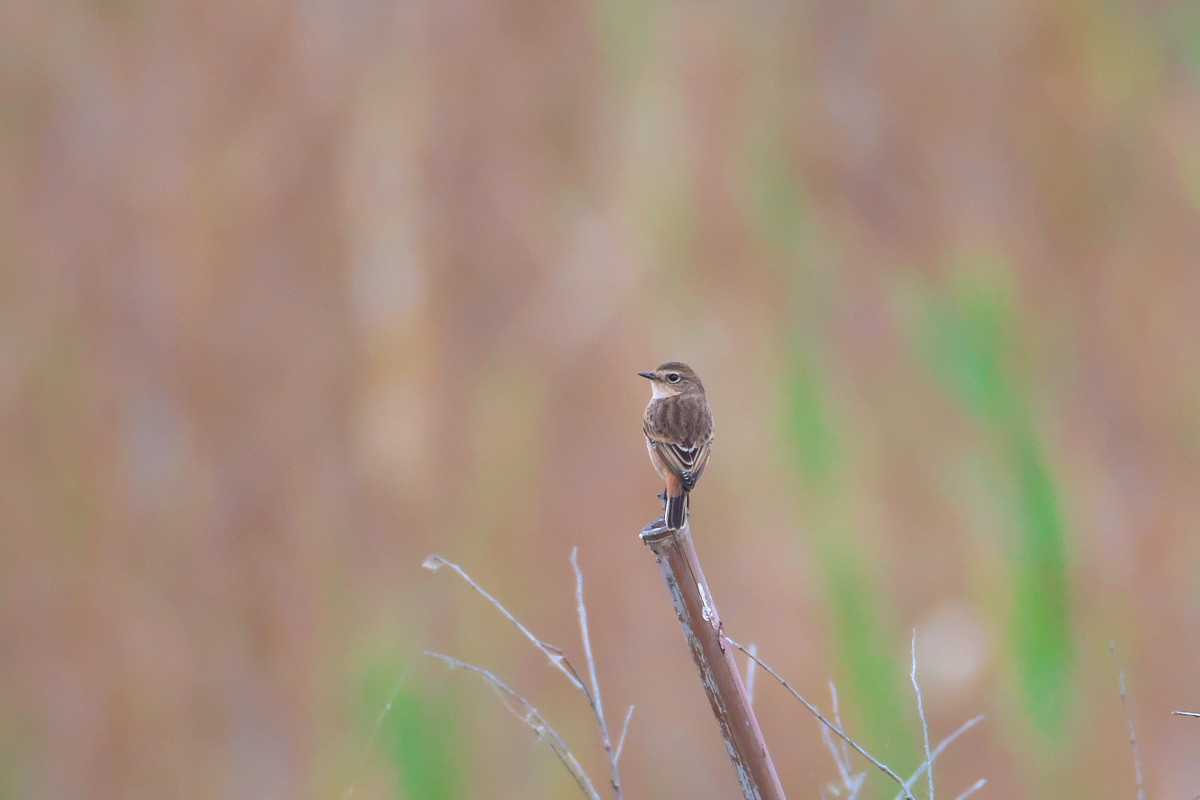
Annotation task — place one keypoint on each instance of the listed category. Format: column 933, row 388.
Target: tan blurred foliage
column 294, row 294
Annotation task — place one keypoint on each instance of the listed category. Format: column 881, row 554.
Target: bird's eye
column 673, row 377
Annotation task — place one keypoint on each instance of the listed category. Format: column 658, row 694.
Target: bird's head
column 672, row 378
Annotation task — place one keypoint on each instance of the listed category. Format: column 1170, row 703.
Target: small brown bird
column 679, row 434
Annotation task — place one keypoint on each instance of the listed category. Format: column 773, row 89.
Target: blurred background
column 293, row 294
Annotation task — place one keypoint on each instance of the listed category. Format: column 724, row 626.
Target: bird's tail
column 677, row 508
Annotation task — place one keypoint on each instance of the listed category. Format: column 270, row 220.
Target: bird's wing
column 686, row 462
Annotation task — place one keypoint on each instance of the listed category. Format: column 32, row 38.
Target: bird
column 679, row 434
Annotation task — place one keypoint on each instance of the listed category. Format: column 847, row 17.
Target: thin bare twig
column 851, row 781
column 1137, row 755
column 624, row 732
column 831, row 726
column 937, row 751
column 921, row 713
column 1185, row 714
column 529, row 715
column 434, row 562
column 594, row 699
column 837, row 717
column 979, row 784
column 563, row 665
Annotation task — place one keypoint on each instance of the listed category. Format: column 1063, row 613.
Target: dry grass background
column 293, row 294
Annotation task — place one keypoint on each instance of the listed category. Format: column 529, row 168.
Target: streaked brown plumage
column 679, row 433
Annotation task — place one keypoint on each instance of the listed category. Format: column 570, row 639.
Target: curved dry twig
column 979, row 784
column 559, row 660
column 624, row 733
column 531, row 717
column 594, row 698
column 851, row 781
column 921, row 713
column 942, row 745
column 433, row 562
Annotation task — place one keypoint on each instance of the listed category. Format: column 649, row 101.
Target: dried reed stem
column 697, row 613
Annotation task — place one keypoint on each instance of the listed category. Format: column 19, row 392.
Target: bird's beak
column 649, row 375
